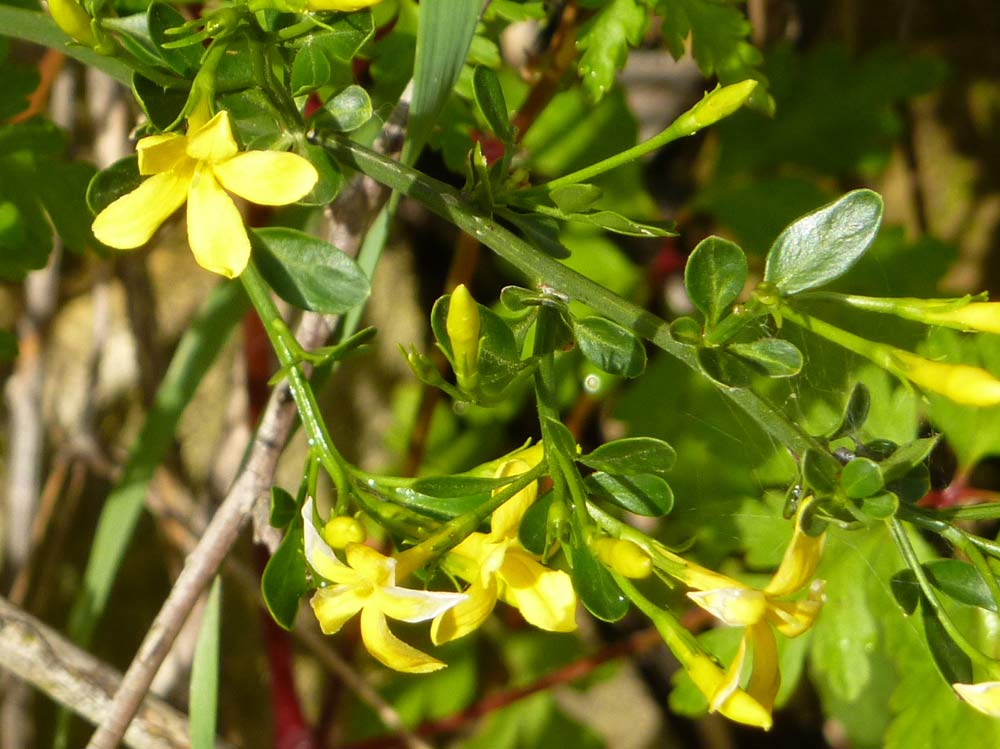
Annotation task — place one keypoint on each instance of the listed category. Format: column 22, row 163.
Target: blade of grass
column 204, row 694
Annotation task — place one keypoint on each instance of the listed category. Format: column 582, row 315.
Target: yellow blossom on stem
column 367, row 584
column 199, row 167
column 983, row 696
column 761, row 612
column 496, row 566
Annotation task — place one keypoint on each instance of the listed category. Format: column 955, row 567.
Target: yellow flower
column 723, row 692
column 961, row 383
column 199, row 168
column 984, row 696
column 367, row 583
column 496, row 566
column 760, row 613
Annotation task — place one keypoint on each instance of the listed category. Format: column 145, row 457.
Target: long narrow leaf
column 204, row 694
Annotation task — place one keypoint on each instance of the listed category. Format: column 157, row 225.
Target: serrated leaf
column 642, row 493
column 284, row 581
column 308, row 272
column 775, row 356
column 605, row 40
column 860, row 478
column 609, row 346
column 631, row 455
column 823, row 245
column 283, row 507
column 714, row 276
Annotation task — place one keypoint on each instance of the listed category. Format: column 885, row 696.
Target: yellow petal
column 213, row 141
column 267, row 177
column 544, row 597
column 409, row 605
column 698, row 577
column 984, row 696
column 132, row 219
column 981, row 316
column 792, row 618
column 961, row 383
column 730, row 683
column 215, row 228
column 737, row 607
column 738, row 705
column 468, row 615
column 765, row 679
column 160, row 153
column 341, row 5
column 389, row 649
column 319, row 555
column 377, row 568
column 799, row 562
column 508, row 516
column 333, row 606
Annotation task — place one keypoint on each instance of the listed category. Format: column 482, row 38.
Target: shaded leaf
column 643, row 493
column 284, row 581
column 609, row 346
column 775, row 356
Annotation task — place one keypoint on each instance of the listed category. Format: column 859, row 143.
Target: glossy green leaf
column 517, row 299
column 724, row 367
column 686, row 330
column 257, row 125
column 491, row 102
column 619, row 224
column 111, row 183
column 240, row 68
column 855, row 412
column 561, row 437
column 348, row 110
column 308, row 272
column 204, row 693
column 161, row 17
column 533, row 530
column 714, row 276
column 452, row 487
column 596, row 588
column 955, row 666
column 820, row 470
column 911, row 487
column 283, row 507
column 163, row 106
column 609, row 346
column 311, row 69
column 906, row 457
column 906, row 590
column 822, row 246
column 775, row 356
column 879, row 506
column 331, row 179
column 642, row 493
column 284, row 581
column 346, row 35
column 575, row 198
column 631, row 455
column 861, row 477
column 958, row 580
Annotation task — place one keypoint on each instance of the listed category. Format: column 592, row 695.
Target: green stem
column 681, row 642
column 733, row 323
column 319, row 438
column 933, row 523
column 448, row 203
column 931, row 597
column 37, row 28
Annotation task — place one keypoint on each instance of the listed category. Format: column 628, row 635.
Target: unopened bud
column 341, row 531
column 624, row 557
column 462, row 325
column 715, row 106
column 73, row 20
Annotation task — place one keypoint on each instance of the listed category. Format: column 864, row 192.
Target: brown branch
column 42, row 657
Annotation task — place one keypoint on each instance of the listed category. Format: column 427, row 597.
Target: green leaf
column 183, row 60
column 540, row 231
column 686, row 330
column 824, row 245
column 491, row 102
column 775, row 356
column 348, row 110
column 605, row 40
column 860, row 478
column 204, row 694
column 441, row 508
column 631, row 455
column 593, row 583
column 331, row 179
column 346, row 35
column 907, row 457
column 444, row 33
column 575, row 198
column 619, row 224
column 311, row 69
column 820, row 469
column 955, row 666
column 714, row 276
column 879, row 506
column 256, row 123
column 561, row 437
column 111, row 183
column 641, row 493
column 609, row 346
column 61, row 186
column 958, row 580
column 308, row 272
column 163, row 106
column 517, row 299
column 284, row 581
column 453, row 487
column 283, row 507
column 724, row 367
column 533, row 530
column 906, row 590
column 855, row 412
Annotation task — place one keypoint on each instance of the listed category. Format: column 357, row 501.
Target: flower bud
column 462, row 325
column 344, row 6
column 715, row 106
column 624, row 557
column 961, row 383
column 341, row 531
column 73, row 20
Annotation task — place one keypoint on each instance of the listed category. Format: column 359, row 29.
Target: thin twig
column 42, row 657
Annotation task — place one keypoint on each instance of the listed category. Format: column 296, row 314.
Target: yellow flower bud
column 715, row 106
column 961, row 383
column 462, row 326
column 340, row 5
column 73, row 20
column 341, row 531
column 624, row 557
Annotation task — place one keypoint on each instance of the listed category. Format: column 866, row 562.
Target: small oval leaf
column 575, row 198
column 643, row 493
column 823, row 245
column 595, row 586
column 348, row 110
column 714, row 276
column 632, row 455
column 111, row 183
column 490, row 99
column 308, row 272
column 861, row 478
column 609, row 346
column 283, row 507
column 775, row 356
column 284, row 580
